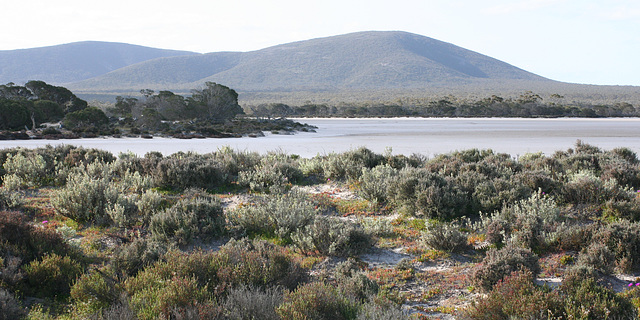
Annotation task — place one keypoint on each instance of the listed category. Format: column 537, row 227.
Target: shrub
column 180, row 171
column 373, row 311
column 85, row 199
column 445, row 236
column 23, row 240
column 247, row 303
column 188, row 218
column 583, row 297
column 598, row 256
column 375, row 182
column 421, row 192
column 317, row 300
column 279, row 216
column 9, row 307
column 275, row 174
column 499, row 263
column 585, row 187
column 163, row 296
column 524, row 223
column 52, row 276
column 332, row 236
column 135, row 256
column 94, row 291
column 623, row 239
column 515, row 297
column 492, row 194
column 24, row 171
column 348, row 165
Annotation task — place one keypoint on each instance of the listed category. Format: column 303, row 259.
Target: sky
column 578, row 41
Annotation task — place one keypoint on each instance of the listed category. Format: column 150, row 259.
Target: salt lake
column 427, row 136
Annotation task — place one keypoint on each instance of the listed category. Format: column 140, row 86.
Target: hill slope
column 74, row 61
column 363, row 60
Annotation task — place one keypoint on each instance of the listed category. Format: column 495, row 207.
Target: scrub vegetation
column 471, row 234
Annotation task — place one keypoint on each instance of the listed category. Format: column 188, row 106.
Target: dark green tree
column 13, row 115
column 90, row 117
column 217, row 102
column 59, row 95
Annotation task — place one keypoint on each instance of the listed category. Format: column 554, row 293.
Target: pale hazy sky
column 581, row 41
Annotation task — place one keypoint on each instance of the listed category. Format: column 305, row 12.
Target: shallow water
column 403, row 135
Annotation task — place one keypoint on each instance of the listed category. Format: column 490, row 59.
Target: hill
column 74, row 61
column 363, row 60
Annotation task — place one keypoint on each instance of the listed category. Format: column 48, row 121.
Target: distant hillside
column 74, row 61
column 363, row 60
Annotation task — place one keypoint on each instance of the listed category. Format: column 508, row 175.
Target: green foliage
column 190, row 170
column 85, row 198
column 317, row 300
column 24, row 171
column 216, row 101
column 585, row 299
column 94, row 291
column 623, row 240
column 52, row 276
column 84, row 119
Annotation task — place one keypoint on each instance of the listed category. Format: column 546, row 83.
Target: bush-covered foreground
column 85, row 234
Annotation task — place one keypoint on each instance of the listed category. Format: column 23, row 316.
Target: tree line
column 527, row 105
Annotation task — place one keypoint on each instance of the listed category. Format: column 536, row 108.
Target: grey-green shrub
column 188, row 218
column 375, row 182
column 85, row 199
column 275, row 174
column 444, row 236
column 247, row 303
column 24, row 171
column 499, row 263
column 524, row 223
column 599, row 257
column 9, row 306
column 332, row 236
column 279, row 215
column 423, row 193
column 135, row 256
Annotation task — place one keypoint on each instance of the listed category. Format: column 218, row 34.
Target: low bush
column 375, row 182
column 275, row 174
column 515, row 297
column 623, row 239
column 444, row 236
column 22, row 240
column 135, row 256
column 423, row 193
column 190, row 170
column 499, row 263
column 374, row 311
column 317, row 300
column 24, row 171
column 332, row 236
column 525, row 223
column 188, row 218
column 94, row 291
column 280, row 215
column 10, row 308
column 85, row 199
column 52, row 276
column 584, row 298
column 598, row 256
column 247, row 303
